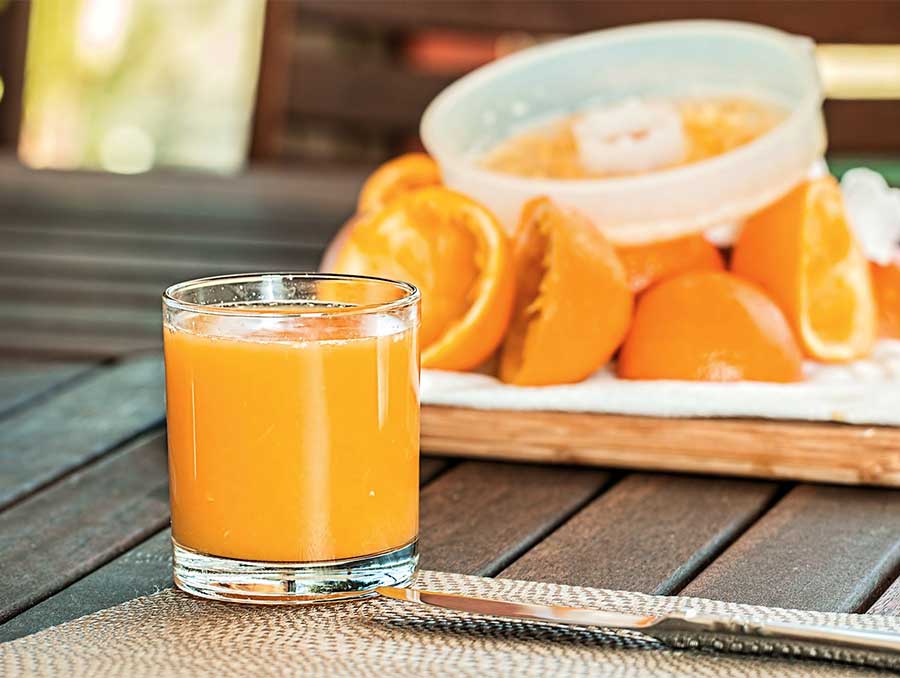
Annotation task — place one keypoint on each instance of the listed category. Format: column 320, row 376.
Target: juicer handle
column 859, row 71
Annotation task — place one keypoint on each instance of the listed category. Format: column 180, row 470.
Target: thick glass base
column 250, row 581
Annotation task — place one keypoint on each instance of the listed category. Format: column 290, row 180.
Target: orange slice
column 803, row 253
column 573, row 303
column 395, row 177
column 648, row 264
column 456, row 253
column 709, row 326
column 886, row 281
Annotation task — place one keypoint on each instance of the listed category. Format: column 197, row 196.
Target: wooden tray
column 836, row 453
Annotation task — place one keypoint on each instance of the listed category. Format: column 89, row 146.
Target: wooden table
column 83, row 485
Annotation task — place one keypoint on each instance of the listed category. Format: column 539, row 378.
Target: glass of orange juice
column 293, row 424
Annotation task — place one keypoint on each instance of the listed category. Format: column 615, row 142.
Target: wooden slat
column 41, row 258
column 478, row 517
column 834, row 21
column 49, row 344
column 822, row 548
column 745, row 447
column 649, row 533
column 23, row 381
column 72, row 291
column 61, row 534
column 140, row 571
column 303, row 226
column 221, row 231
column 27, row 241
column 119, row 333
column 299, row 194
column 66, row 318
column 174, row 263
column 144, row 569
column 162, row 272
column 79, row 424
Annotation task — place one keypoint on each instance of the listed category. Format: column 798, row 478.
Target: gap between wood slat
column 888, row 601
column 525, row 546
column 728, row 539
column 142, row 570
column 881, row 594
column 647, row 533
column 79, row 424
column 449, row 498
column 81, row 522
column 821, row 547
column 479, row 515
column 432, row 468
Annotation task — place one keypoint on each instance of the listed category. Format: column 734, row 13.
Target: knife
column 688, row 629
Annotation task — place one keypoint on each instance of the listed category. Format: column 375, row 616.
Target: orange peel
column 573, row 303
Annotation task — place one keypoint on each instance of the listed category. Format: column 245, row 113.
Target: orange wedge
column 709, row 326
column 803, row 253
column 403, row 174
column 648, row 264
column 456, row 253
column 573, row 303
column 395, row 177
column 886, row 281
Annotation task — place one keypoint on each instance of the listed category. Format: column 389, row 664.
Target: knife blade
column 687, row 629
column 555, row 614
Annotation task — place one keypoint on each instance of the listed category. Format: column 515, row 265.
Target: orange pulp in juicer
column 712, row 126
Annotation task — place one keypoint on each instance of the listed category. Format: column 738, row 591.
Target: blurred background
column 129, row 85
column 147, row 141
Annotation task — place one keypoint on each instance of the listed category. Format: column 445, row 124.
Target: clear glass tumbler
column 293, row 420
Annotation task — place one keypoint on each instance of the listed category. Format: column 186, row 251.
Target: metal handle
column 852, row 646
column 859, row 71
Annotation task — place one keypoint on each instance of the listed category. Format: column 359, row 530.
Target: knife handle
column 785, row 639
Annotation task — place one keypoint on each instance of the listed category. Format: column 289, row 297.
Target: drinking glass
column 293, row 424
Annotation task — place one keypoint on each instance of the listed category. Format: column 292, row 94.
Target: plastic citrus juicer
column 667, row 60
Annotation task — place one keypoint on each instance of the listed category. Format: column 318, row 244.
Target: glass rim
column 411, row 296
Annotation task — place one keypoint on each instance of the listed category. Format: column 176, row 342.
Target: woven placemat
column 172, row 634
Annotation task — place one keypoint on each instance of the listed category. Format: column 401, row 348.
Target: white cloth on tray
column 863, row 392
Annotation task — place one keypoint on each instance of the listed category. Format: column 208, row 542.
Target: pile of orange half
column 555, row 301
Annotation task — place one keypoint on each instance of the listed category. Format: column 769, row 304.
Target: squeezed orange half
column 291, row 447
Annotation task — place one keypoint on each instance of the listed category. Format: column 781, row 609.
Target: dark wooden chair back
column 348, row 79
column 13, row 37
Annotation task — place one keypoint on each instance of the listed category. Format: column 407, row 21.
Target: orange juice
column 291, row 445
